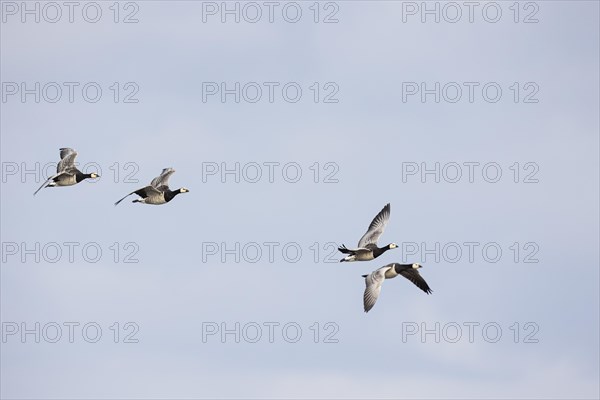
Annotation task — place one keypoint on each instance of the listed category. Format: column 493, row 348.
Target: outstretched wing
column 67, row 160
column 373, row 283
column 162, row 179
column 49, row 180
column 64, row 166
column 143, row 193
column 376, row 228
column 415, row 277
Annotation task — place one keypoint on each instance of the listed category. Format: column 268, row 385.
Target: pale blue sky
column 170, row 293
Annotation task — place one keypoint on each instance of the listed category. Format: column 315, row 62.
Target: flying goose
column 66, row 172
column 375, row 279
column 158, row 191
column 367, row 245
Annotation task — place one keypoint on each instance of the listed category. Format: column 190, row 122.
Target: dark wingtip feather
column 426, row 289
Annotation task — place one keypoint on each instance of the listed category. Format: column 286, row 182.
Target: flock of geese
column 67, row 174
column 158, row 192
column 367, row 250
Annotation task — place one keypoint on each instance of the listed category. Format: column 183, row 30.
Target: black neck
column 379, row 251
column 169, row 194
column 79, row 176
column 402, row 267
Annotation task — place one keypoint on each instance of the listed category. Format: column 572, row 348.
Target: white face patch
column 415, row 266
column 94, row 175
column 393, row 246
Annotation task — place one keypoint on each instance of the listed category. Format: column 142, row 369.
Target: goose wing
column 162, row 188
column 415, row 277
column 163, row 178
column 373, row 283
column 66, row 165
column 143, row 193
column 376, row 228
column 67, row 160
column 50, row 179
